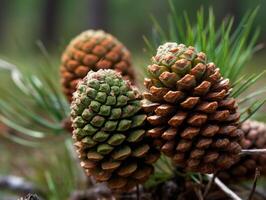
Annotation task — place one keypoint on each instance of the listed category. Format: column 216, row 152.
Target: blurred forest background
column 55, row 22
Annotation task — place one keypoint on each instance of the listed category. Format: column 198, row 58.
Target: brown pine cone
column 110, row 132
column 244, row 169
column 194, row 120
column 93, row 50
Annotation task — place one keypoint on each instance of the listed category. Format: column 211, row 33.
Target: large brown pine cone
column 245, row 168
column 109, row 131
column 93, row 50
column 194, row 120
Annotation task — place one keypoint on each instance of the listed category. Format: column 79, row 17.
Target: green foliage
column 58, row 174
column 227, row 44
column 164, row 170
column 229, row 49
column 251, row 103
column 33, row 107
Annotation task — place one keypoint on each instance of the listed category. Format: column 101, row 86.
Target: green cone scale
column 194, row 121
column 109, row 130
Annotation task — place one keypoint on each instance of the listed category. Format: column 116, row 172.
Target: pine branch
column 223, row 43
column 40, row 115
column 229, row 49
column 252, row 95
column 251, row 110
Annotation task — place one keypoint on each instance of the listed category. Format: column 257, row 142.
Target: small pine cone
column 245, row 168
column 109, row 133
column 193, row 119
column 93, row 50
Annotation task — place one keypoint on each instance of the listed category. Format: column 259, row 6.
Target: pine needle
column 224, row 188
column 228, row 48
column 38, row 92
column 257, row 174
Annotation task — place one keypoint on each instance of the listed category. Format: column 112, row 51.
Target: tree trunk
column 49, row 21
column 98, row 14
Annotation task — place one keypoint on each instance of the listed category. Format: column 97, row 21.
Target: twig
column 209, row 185
column 252, row 151
column 223, row 187
column 257, row 174
column 198, row 193
column 138, row 195
column 17, row 184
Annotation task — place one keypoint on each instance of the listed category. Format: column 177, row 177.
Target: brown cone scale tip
column 245, row 167
column 93, row 50
column 193, row 119
column 109, row 131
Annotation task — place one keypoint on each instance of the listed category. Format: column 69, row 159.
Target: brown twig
column 223, row 187
column 209, row 185
column 137, row 190
column 252, row 151
column 198, row 193
column 257, row 174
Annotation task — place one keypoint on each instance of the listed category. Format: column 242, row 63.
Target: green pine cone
column 109, row 131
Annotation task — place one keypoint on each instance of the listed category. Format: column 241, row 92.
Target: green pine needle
column 34, row 107
column 251, row 110
column 229, row 49
column 252, row 95
column 244, row 85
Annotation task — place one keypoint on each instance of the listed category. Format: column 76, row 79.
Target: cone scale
column 93, row 50
column 245, row 167
column 109, row 131
column 193, row 119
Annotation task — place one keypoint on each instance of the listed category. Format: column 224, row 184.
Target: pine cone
column 109, row 131
column 93, row 50
column 193, row 118
column 245, row 168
